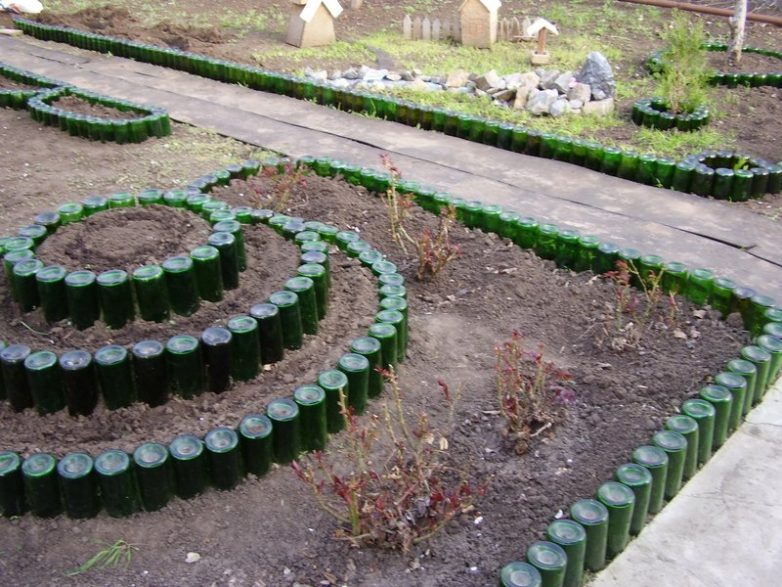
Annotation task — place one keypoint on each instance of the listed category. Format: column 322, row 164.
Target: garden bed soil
column 269, row 531
column 9, row 84
column 750, row 62
column 80, row 106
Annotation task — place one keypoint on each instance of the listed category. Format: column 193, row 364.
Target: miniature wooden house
column 479, row 22
column 312, row 22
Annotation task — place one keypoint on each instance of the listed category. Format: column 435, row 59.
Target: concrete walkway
column 730, row 240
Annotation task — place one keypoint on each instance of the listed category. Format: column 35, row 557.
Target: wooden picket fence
column 433, row 29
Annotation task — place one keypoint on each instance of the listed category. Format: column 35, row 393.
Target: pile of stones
column 540, row 92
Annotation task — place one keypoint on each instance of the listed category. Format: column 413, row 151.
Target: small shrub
column 398, row 206
column 435, row 250
column 531, row 391
column 633, row 311
column 683, row 79
column 283, row 185
column 389, row 485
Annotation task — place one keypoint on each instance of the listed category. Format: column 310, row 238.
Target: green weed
column 112, row 555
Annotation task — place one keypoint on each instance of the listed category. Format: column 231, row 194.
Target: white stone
column 547, row 79
column 563, row 82
column 559, row 107
column 490, row 79
column 393, row 77
column 526, row 80
column 192, row 557
column 576, row 104
column 599, row 107
column 457, row 78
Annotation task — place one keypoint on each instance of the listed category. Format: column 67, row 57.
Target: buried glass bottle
column 286, row 436
column 520, row 574
column 115, row 298
column 356, row 368
column 25, row 285
column 41, row 488
column 149, row 372
column 255, row 438
column 117, row 481
column 675, row 446
column 593, row 516
column 311, row 401
column 81, row 295
column 151, row 293
column 154, row 475
column 572, row 538
column 245, row 348
column 269, row 332
column 45, row 380
column 687, row 427
column 619, row 500
column 115, row 377
column 51, row 292
column 550, row 560
column 181, row 284
column 335, row 384
column 79, row 384
column 12, row 502
column 216, row 346
column 655, row 460
column 304, row 288
column 225, row 457
column 722, row 400
column 639, row 479
column 233, row 228
column 17, row 389
column 371, row 349
column 737, row 387
column 184, row 366
column 225, row 243
column 319, row 277
column 78, row 487
column 287, row 303
column 189, row 464
column 207, row 271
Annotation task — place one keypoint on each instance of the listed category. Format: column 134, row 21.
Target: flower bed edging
column 653, row 113
column 18, row 98
column 610, row 160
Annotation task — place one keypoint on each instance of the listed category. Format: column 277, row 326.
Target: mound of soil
column 119, row 22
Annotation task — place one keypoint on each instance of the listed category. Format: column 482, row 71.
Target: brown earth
column 81, row 106
column 9, row 84
column 269, row 531
column 750, row 62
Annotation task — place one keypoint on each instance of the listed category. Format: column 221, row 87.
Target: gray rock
column 522, row 96
column 548, row 78
column 335, row 74
column 321, row 74
column 351, row 73
column 580, row 91
column 576, row 104
column 461, row 90
column 599, row 107
column 457, row 79
column 563, row 82
column 408, row 76
column 342, row 83
column 559, row 108
column 540, row 102
column 393, row 77
column 505, row 95
column 490, row 79
column 597, row 73
column 527, row 81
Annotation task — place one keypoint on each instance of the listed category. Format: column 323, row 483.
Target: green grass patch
column 674, row 143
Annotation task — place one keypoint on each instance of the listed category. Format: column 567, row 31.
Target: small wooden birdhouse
column 479, row 22
column 312, row 22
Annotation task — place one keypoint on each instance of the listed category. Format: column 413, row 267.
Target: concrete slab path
column 725, row 528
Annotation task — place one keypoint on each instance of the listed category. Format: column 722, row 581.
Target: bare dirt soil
column 269, row 531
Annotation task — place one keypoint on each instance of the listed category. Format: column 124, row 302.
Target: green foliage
column 683, row 80
column 114, row 554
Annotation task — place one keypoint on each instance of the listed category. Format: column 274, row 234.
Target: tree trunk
column 737, row 22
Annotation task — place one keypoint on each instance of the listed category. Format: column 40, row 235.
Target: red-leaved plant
column 388, row 482
column 532, row 392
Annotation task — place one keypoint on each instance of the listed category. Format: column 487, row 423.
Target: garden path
column 723, row 524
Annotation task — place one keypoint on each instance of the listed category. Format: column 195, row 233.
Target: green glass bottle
column 721, row 297
column 674, row 277
column 121, row 200
column 586, row 253
column 44, row 379
column 737, row 387
column 190, row 465
column 149, row 372
column 245, row 348
column 371, row 349
column 224, row 456
column 748, row 372
column 639, row 479
column 36, row 232
column 255, row 437
column 335, row 385
column 41, row 489
column 723, row 183
column 761, row 358
column 520, row 574
column 184, row 366
column 94, row 204
column 149, row 282
column 181, row 284
column 79, row 383
column 70, row 212
column 593, row 516
column 115, row 298
column 619, row 500
column 51, row 292
column 150, row 197
column 12, row 502
column 311, row 401
column 571, row 537
column 81, row 295
column 319, row 276
column 270, row 332
column 117, row 481
column 78, row 486
column 773, row 346
column 755, row 318
column 687, row 427
column 722, row 400
column 233, row 228
column 114, row 375
column 527, row 233
column 154, row 474
column 304, row 288
column 699, row 286
column 704, row 414
column 606, row 258
column 216, row 344
column 225, row 243
column 356, row 368
column 550, row 560
column 17, row 389
column 207, row 272
column 655, row 459
column 25, row 285
column 286, row 436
